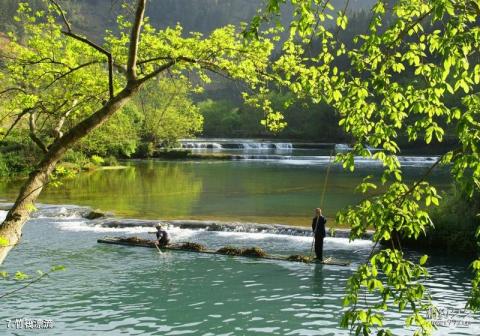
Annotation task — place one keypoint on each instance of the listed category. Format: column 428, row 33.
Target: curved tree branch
column 134, row 39
column 19, row 117
column 92, row 44
column 33, row 135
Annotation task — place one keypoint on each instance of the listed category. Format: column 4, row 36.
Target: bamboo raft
column 193, row 247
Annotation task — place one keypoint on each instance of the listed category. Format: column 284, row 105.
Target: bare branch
column 72, row 70
column 62, row 13
column 134, row 38
column 13, row 89
column 57, row 131
column 157, row 71
column 92, row 44
column 19, row 117
column 33, row 134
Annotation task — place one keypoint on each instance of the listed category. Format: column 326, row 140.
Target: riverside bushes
column 13, row 163
column 455, row 224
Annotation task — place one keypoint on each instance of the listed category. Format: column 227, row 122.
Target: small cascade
column 237, row 144
column 136, row 225
column 260, row 157
column 258, row 145
column 201, row 145
column 284, row 146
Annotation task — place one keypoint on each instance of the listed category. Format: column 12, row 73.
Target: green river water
column 253, row 191
column 115, row 290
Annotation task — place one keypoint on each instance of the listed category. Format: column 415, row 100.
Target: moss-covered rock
column 300, row 258
column 254, row 252
column 230, row 250
column 135, row 240
column 193, row 247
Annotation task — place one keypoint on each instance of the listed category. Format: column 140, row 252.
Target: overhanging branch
column 156, row 72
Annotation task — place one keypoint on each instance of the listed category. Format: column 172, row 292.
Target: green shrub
column 14, row 163
column 145, row 150
column 110, row 161
column 76, row 157
column 97, row 160
column 455, row 223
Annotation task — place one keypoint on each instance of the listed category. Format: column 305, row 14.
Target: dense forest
column 156, row 117
column 93, row 17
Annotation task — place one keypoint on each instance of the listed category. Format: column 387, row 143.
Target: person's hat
column 158, row 226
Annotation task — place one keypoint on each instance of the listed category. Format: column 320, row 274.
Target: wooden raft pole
column 179, row 247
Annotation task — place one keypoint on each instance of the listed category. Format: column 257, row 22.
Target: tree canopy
column 67, row 85
column 413, row 73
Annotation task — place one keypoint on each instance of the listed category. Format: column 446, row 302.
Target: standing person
column 318, row 228
column 162, row 236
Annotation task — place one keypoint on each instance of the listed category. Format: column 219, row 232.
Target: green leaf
column 342, row 20
column 376, row 320
column 423, row 260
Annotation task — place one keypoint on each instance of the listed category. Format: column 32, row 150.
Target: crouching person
column 163, row 237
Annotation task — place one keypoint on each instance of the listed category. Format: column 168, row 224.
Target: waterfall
column 238, row 144
column 201, row 145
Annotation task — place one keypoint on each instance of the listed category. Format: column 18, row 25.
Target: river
column 112, row 290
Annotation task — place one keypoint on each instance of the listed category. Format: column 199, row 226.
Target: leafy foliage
column 168, row 112
column 434, row 44
column 53, row 80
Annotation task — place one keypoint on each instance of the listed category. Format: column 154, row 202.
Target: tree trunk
column 11, row 228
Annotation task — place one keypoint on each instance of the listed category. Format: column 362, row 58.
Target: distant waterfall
column 239, row 144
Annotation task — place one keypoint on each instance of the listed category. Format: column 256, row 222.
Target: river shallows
column 115, row 290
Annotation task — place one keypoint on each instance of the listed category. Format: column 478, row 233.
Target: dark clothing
column 319, row 248
column 319, row 234
column 163, row 238
column 320, row 231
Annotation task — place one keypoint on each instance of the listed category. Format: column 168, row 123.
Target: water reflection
column 148, row 190
column 265, row 192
